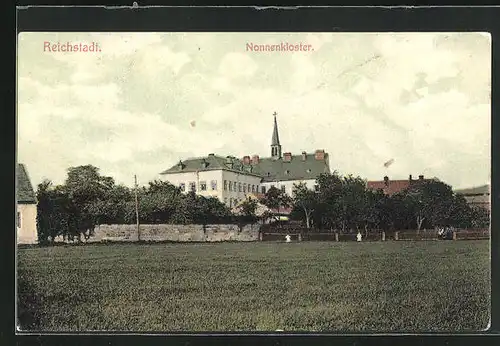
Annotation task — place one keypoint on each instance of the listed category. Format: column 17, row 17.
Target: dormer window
column 308, row 170
column 287, row 172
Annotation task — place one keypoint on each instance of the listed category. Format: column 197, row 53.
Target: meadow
column 392, row 286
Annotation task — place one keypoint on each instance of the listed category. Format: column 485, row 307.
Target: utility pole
column 137, row 209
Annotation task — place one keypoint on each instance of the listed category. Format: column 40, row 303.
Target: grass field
column 262, row 286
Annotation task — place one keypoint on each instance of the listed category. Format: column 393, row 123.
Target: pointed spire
column 276, row 138
column 275, row 142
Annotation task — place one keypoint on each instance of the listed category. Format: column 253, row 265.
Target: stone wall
column 180, row 233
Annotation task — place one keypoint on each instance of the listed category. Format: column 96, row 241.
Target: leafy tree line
column 87, row 199
column 343, row 203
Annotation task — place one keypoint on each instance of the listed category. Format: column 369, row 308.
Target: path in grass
column 313, row 286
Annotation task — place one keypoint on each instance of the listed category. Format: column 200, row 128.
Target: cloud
column 420, row 98
column 235, row 65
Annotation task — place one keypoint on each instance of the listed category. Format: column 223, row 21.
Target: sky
column 147, row 100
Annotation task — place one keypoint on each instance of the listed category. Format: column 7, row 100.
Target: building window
column 244, row 187
column 253, row 188
column 239, row 187
column 18, row 219
column 263, row 189
column 225, row 185
column 213, row 184
column 192, row 186
column 203, row 186
column 283, row 188
column 182, row 186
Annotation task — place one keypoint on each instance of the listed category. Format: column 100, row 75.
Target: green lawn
column 308, row 286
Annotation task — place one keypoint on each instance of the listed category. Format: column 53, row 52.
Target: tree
column 214, row 211
column 158, row 202
column 276, row 199
column 461, row 215
column 84, row 184
column 327, row 213
column 480, row 217
column 53, row 212
column 430, row 202
column 86, row 189
column 305, row 200
column 352, row 202
column 246, row 211
column 373, row 209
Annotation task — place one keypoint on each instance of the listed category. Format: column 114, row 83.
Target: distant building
column 26, row 208
column 230, row 179
column 391, row 187
column 478, row 196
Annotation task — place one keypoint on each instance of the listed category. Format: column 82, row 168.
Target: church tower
column 275, row 142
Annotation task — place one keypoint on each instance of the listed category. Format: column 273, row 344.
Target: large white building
column 230, row 179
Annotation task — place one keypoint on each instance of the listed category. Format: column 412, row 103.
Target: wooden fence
column 304, row 234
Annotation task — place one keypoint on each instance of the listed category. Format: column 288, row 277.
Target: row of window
column 230, row 186
column 240, row 187
column 203, row 186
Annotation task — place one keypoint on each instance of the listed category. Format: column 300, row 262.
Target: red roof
column 391, row 187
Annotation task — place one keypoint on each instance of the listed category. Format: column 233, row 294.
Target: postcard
column 253, row 182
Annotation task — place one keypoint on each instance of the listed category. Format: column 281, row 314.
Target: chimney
column 211, row 154
column 287, row 157
column 304, row 156
column 319, row 155
column 204, row 163
column 255, row 159
column 246, row 160
column 410, row 178
column 386, row 180
column 420, row 177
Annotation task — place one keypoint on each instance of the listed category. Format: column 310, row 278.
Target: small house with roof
column 26, row 208
column 391, row 187
column 230, row 179
column 478, row 196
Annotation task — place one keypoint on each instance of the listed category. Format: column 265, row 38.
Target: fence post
column 300, row 237
column 260, row 236
column 454, row 235
column 396, row 235
column 336, row 236
column 383, row 235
